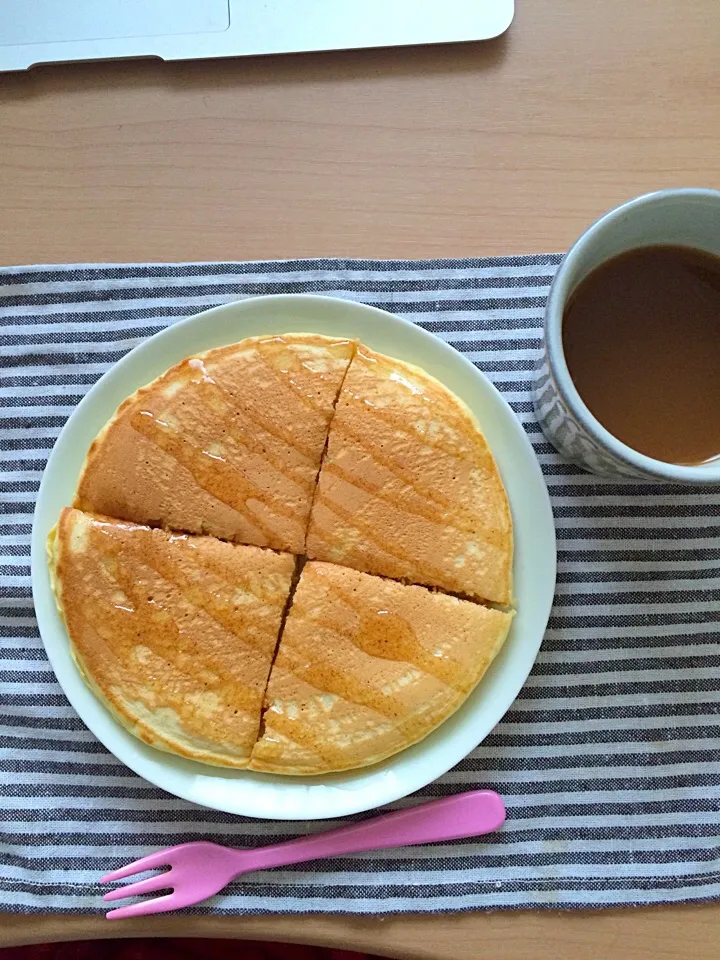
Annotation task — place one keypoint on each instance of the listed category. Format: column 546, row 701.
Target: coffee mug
column 684, row 217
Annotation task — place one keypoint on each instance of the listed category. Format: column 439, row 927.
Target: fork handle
column 463, row 815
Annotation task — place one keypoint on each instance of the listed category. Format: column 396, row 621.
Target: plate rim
column 344, row 801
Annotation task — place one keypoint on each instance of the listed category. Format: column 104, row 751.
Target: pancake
column 409, row 488
column 367, row 667
column 175, row 634
column 227, row 443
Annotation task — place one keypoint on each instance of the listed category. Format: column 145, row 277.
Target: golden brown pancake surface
column 174, row 633
column 409, row 488
column 228, row 443
column 367, row 667
column 314, row 446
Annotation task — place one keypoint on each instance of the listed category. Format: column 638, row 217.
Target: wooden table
column 505, row 147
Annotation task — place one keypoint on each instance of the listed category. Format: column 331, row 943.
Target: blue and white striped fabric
column 608, row 761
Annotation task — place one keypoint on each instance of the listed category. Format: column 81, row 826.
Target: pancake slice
column 409, row 488
column 175, row 634
column 367, row 667
column 227, row 443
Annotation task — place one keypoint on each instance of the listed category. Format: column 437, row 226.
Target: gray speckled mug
column 688, row 217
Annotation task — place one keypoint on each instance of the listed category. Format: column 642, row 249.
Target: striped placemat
column 608, row 761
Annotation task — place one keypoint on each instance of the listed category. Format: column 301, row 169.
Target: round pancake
column 409, row 488
column 314, row 446
column 228, row 443
column 367, row 667
column 175, row 634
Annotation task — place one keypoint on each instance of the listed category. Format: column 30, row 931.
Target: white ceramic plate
column 336, row 795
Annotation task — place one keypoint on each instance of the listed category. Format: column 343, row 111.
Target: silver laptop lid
column 44, row 31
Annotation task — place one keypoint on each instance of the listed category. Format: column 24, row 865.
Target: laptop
column 50, row 31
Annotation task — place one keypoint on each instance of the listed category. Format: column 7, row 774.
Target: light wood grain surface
column 506, row 147
column 665, row 933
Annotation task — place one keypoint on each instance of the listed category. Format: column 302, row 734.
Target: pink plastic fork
column 198, row 870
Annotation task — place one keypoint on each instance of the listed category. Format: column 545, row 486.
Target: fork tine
column 159, row 882
column 159, row 859
column 158, row 905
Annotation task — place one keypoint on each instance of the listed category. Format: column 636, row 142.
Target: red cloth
column 172, row 948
